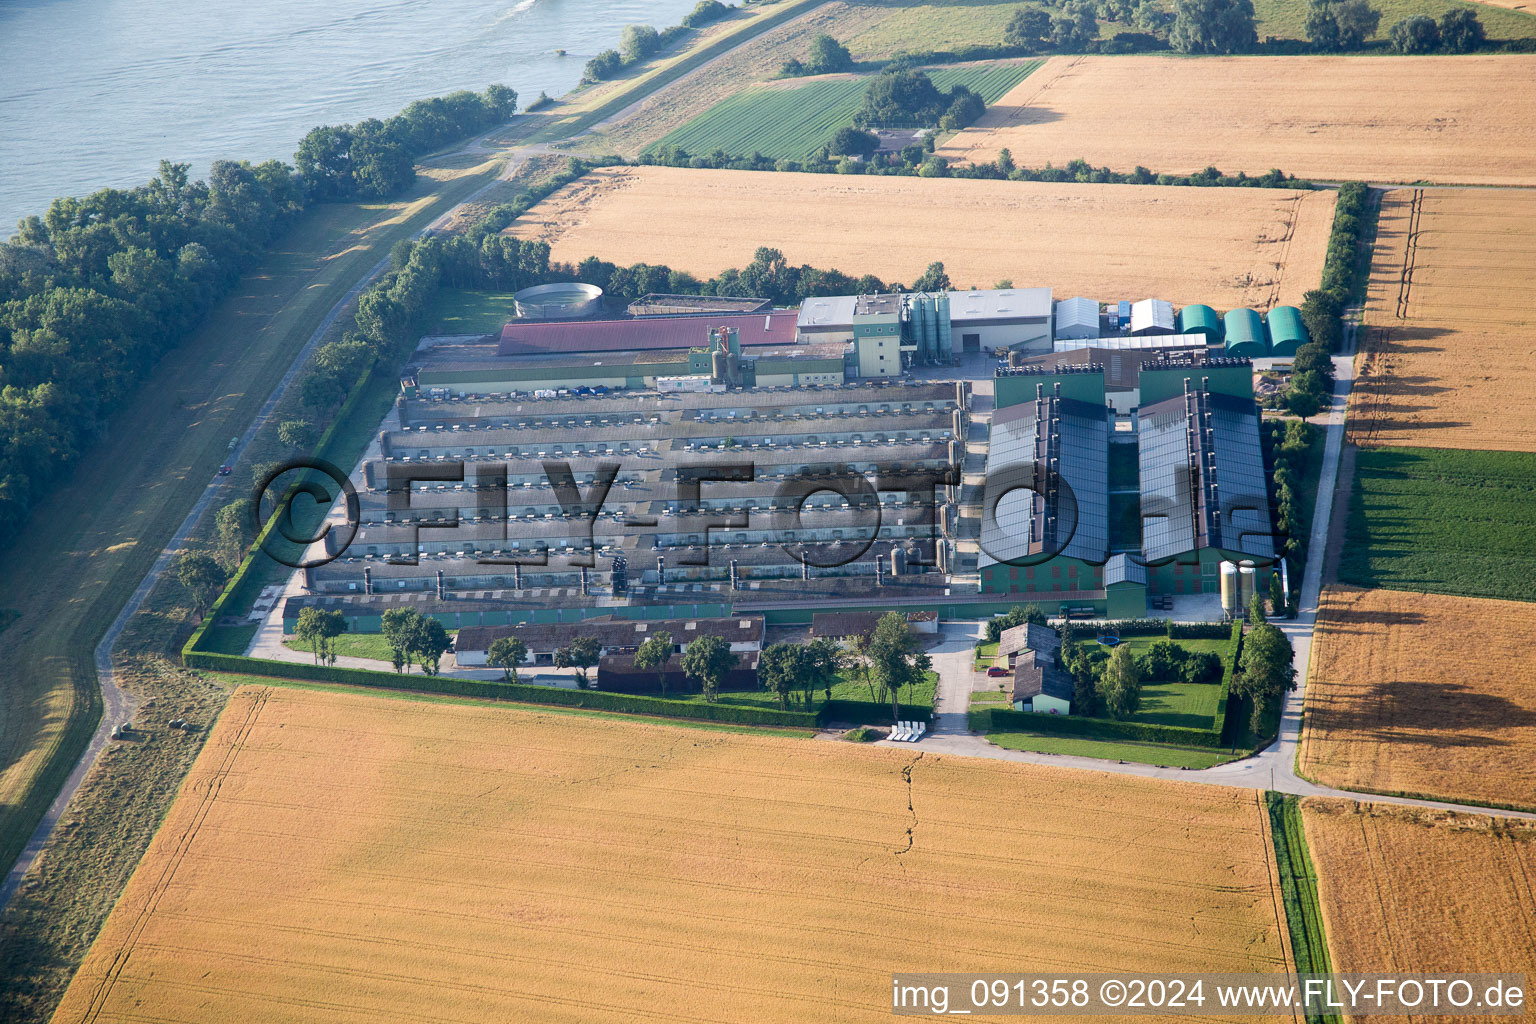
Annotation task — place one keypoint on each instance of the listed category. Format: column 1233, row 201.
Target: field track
column 372, row 859
column 1462, row 119
column 1224, row 246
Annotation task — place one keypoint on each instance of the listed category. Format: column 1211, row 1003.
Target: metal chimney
column 367, row 579
column 735, row 576
column 661, row 571
column 517, row 577
column 586, row 583
column 442, row 588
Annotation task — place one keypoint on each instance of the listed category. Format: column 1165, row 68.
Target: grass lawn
column 985, row 654
column 228, row 639
column 352, row 645
column 792, row 122
column 91, row 538
column 993, row 698
column 468, row 311
column 1443, row 521
column 1187, row 704
column 1142, row 753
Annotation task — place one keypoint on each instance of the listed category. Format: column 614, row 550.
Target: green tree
column 779, row 668
column 823, row 660
column 233, row 531
column 604, row 66
column 506, row 653
column 318, row 629
column 1322, row 27
column 1358, row 21
column 1076, row 28
column 896, row 658
column 1213, row 26
column 1163, row 662
column 296, row 433
column 1201, row 667
column 1304, row 398
column 581, row 654
column 1256, row 616
column 1418, row 34
column 400, row 626
column 1461, row 31
column 429, row 643
column 638, row 42
column 907, row 96
column 1030, row 28
column 1277, row 600
column 202, row 577
column 707, row 661
column 828, row 56
column 1120, row 684
column 851, row 141
column 1265, row 669
column 1320, row 314
column 653, row 655
column 934, row 279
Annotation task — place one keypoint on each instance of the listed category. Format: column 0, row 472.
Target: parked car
column 997, row 670
column 226, row 470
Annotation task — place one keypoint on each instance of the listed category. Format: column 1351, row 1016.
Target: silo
column 719, row 367
column 1229, row 603
column 1246, row 576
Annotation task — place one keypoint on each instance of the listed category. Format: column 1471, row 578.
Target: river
column 96, row 93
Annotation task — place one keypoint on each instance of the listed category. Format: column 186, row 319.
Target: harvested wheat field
column 364, row 859
column 1449, row 360
column 1223, row 246
column 1445, row 119
column 1423, row 694
column 1412, row 890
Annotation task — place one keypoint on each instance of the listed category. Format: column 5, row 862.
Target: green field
column 792, row 123
column 1443, row 521
column 1142, row 753
column 468, row 311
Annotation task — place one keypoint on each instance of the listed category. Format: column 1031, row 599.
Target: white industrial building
column 1136, row 343
column 1077, row 319
column 1152, row 316
column 981, row 320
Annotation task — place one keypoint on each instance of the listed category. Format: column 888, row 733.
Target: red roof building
column 652, row 333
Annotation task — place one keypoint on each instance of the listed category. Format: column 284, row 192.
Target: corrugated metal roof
column 646, row 334
column 1079, row 317
column 1152, row 315
column 1139, row 343
column 1200, row 318
column 999, row 304
column 1122, row 568
column 1015, row 463
column 828, row 311
column 1177, row 513
column 1286, row 330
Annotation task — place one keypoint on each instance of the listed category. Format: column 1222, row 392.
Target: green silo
column 1245, row 334
column 1200, row 319
column 1286, row 331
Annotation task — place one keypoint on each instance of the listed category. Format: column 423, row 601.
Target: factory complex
column 703, row 457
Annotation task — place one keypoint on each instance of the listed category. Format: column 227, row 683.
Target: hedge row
column 1002, row 720
column 1199, row 630
column 594, row 700
column 1156, row 627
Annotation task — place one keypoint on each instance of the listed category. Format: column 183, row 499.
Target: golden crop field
column 1448, row 360
column 357, row 858
column 1423, row 694
column 1444, row 119
column 1410, row 890
column 1223, row 246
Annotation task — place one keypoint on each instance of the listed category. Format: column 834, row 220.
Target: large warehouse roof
column 1138, row 343
column 651, row 333
column 1023, row 522
column 999, row 305
column 1200, row 319
column 1202, row 477
column 1077, row 319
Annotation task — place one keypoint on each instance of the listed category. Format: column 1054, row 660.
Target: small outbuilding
column 1152, row 316
column 1287, row 332
column 1125, row 588
column 1077, row 319
column 1245, row 334
column 1201, row 319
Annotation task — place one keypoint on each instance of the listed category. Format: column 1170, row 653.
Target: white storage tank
column 1229, row 603
column 1246, row 575
column 562, row 301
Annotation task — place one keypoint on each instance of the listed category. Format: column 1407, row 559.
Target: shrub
column 1460, row 31
column 1418, row 34
column 605, row 65
column 827, row 56
column 705, row 12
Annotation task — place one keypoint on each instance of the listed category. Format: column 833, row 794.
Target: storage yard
column 1223, row 246
column 1449, row 349
column 1462, row 119
column 1415, row 891
column 1422, row 694
column 353, row 857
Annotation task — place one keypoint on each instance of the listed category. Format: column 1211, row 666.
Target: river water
column 96, row 92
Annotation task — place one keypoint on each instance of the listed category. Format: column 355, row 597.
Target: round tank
column 719, row 368
column 1229, row 603
column 1245, row 581
column 563, row 301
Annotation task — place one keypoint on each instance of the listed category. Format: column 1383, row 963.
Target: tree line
column 94, row 291
column 638, row 43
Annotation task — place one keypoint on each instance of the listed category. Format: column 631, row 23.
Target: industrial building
column 1152, row 316
column 1077, row 319
column 982, row 320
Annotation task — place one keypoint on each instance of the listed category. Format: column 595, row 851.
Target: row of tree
column 1289, row 444
column 96, row 290
column 638, row 43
